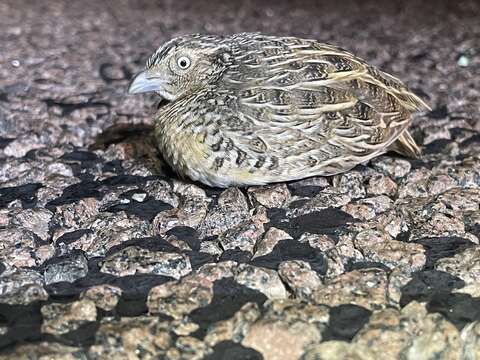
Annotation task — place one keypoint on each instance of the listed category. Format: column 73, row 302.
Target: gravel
column 105, row 253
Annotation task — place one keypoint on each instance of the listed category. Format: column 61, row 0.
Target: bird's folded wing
column 307, row 90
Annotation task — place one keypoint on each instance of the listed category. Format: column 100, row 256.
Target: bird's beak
column 144, row 82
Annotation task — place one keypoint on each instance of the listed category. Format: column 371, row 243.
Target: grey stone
column 67, row 269
column 136, row 260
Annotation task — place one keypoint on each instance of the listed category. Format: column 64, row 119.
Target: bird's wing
column 316, row 92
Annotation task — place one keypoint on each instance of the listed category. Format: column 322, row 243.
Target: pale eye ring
column 183, row 62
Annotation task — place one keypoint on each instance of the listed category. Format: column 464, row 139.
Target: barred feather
column 278, row 109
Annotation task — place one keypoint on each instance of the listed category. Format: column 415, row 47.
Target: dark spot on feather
column 217, row 145
column 273, row 163
column 272, row 51
column 241, row 156
column 257, row 145
column 376, row 137
column 279, row 97
column 218, row 163
column 233, row 123
column 315, row 72
column 362, row 111
column 247, row 93
column 260, row 162
column 295, row 65
column 308, row 98
column 340, row 63
column 312, row 161
column 260, row 98
column 288, row 79
column 229, row 145
column 331, row 115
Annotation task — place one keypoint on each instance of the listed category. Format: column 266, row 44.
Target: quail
column 252, row 109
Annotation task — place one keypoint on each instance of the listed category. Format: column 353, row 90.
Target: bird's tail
column 405, row 145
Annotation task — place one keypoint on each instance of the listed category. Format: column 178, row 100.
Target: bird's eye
column 183, row 62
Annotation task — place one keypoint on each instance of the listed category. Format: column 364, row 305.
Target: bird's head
column 182, row 66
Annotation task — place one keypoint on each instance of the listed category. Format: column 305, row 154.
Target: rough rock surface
column 104, row 253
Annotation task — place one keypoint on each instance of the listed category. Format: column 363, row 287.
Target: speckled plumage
column 255, row 109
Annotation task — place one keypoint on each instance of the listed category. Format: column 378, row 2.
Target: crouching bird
column 251, row 109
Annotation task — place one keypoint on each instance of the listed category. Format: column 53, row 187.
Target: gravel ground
column 105, row 254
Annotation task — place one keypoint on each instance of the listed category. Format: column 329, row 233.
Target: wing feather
column 310, row 102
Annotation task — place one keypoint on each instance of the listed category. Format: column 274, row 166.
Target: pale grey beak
column 142, row 83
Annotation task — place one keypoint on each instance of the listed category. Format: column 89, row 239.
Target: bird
column 252, row 109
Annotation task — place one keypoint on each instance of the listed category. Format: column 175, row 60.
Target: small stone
column 122, row 338
column 105, row 297
column 136, row 260
column 272, row 196
column 299, row 277
column 177, row 299
column 140, row 197
column 463, row 61
column 394, row 167
column 66, row 269
column 18, row 247
column 234, row 328
column 45, row 351
column 243, row 236
column 190, row 348
column 411, row 333
column 231, row 209
column 264, row 280
column 381, row 185
column 335, row 349
column 359, row 211
column 112, row 229
column 269, row 240
column 397, row 279
column 36, row 220
column 276, row 341
column 22, row 145
column 184, row 327
column 365, row 287
column 327, row 198
column 465, row 265
column 210, row 247
column 350, row 183
column 377, row 246
column 286, row 330
column 191, row 211
column 59, row 319
column 21, row 287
